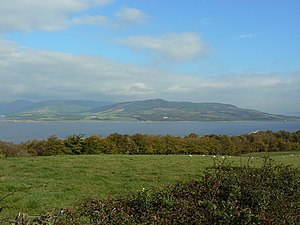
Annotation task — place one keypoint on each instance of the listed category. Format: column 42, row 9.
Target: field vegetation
column 269, row 194
column 74, row 182
column 54, row 182
column 58, row 181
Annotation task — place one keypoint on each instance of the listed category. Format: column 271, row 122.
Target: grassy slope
column 148, row 110
column 161, row 110
column 62, row 180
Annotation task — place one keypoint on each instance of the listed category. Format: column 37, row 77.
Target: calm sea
column 21, row 131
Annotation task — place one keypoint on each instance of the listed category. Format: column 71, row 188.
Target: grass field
column 59, row 181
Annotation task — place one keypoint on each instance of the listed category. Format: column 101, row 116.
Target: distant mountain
column 14, row 107
column 65, row 106
column 49, row 110
column 147, row 110
column 161, row 110
column 293, row 114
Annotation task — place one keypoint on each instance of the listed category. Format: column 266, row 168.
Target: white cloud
column 139, row 89
column 34, row 74
column 26, row 73
column 91, row 20
column 179, row 88
column 129, row 16
column 20, row 15
column 246, row 36
column 173, row 47
column 55, row 15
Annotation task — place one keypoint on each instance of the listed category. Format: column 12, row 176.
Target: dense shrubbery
column 150, row 144
column 224, row 195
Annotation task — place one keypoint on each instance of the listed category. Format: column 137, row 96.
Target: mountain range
column 147, row 110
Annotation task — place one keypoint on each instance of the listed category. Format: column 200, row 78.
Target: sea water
column 21, row 131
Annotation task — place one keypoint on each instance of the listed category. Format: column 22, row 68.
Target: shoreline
column 139, row 121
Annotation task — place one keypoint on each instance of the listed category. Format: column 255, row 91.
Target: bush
column 225, row 195
column 267, row 141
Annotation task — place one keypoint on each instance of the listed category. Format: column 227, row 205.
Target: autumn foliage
column 267, row 141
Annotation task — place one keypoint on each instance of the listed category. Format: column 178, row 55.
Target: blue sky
column 245, row 53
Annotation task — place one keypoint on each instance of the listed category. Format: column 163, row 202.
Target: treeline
column 263, row 141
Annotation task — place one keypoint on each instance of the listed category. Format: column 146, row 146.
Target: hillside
column 161, row 110
column 14, row 107
column 147, row 110
column 49, row 110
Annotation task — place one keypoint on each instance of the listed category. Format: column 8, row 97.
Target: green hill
column 50, row 110
column 161, row 110
column 147, row 110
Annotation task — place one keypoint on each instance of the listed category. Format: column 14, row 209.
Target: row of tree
column 266, row 141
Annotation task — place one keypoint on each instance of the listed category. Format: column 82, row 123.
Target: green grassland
column 59, row 181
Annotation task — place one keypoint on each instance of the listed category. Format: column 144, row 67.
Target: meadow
column 37, row 184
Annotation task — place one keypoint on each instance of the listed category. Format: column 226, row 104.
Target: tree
column 55, row 146
column 74, row 143
column 173, row 144
column 144, row 143
column 34, row 147
column 92, row 145
column 124, row 143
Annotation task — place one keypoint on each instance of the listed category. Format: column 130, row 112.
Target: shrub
column 55, row 146
column 267, row 141
column 34, row 147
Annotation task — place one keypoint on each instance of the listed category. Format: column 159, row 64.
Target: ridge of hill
column 54, row 110
column 146, row 110
column 162, row 110
column 15, row 106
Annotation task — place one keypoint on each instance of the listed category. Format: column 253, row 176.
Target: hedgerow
column 144, row 144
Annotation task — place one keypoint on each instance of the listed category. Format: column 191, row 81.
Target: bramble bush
column 224, row 195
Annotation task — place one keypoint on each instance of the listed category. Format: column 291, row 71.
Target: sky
column 245, row 53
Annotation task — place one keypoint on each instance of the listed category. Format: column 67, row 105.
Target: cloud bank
column 56, row 15
column 180, row 47
column 128, row 16
column 35, row 74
